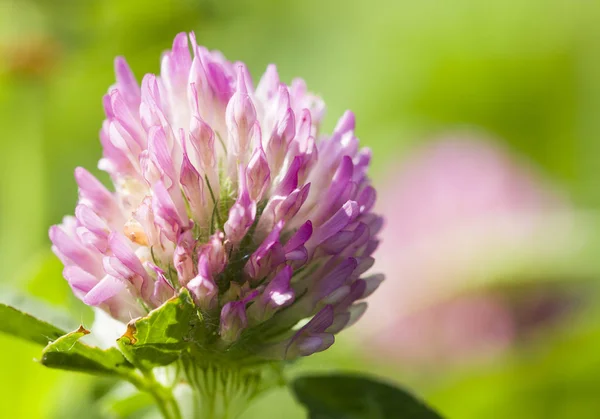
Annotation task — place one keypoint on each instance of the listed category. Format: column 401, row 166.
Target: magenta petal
column 151, row 113
column 312, row 337
column 320, row 322
column 344, row 216
column 366, row 199
column 279, row 129
column 204, row 291
column 79, row 279
column 160, row 154
column 313, row 344
column 338, row 242
column 107, row 106
column 123, row 112
column 203, row 287
column 357, row 290
column 114, row 160
column 221, row 84
column 202, row 142
column 290, row 180
column 91, row 240
column 374, row 222
column 267, row 255
column 193, row 187
column 234, row 319
column 90, row 220
column 166, row 213
column 277, row 294
column 269, row 83
column 290, row 206
column 240, row 116
column 93, row 231
column 122, row 139
column 73, row 252
column 93, row 193
column 370, row 248
column 162, row 290
column 106, row 289
column 346, row 123
column 258, row 174
column 299, row 238
column 361, row 164
column 177, row 62
column 183, row 258
column 215, row 253
column 335, row 279
column 339, row 190
column 241, row 215
column 126, row 82
column 299, row 257
column 121, row 248
column 304, row 128
column 362, row 234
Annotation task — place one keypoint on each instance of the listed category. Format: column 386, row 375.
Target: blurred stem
column 163, row 396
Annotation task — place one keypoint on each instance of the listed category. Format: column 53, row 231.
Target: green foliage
column 35, row 322
column 68, row 353
column 25, row 326
column 28, row 326
column 357, row 397
column 157, row 339
column 160, row 337
column 154, row 340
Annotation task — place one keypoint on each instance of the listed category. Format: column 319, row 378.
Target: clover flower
column 230, row 191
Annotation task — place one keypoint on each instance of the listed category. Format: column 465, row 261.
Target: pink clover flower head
column 229, row 189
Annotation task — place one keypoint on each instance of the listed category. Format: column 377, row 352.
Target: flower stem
column 223, row 392
column 163, row 396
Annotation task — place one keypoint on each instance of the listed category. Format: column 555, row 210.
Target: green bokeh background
column 525, row 71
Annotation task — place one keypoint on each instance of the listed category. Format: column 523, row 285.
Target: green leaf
column 160, row 337
column 16, row 320
column 357, row 397
column 68, row 353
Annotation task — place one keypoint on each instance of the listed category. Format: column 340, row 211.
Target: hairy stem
column 221, row 391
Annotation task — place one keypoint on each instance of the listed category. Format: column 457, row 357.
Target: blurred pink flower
column 458, row 210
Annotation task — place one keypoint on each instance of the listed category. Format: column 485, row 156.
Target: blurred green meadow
column 524, row 71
